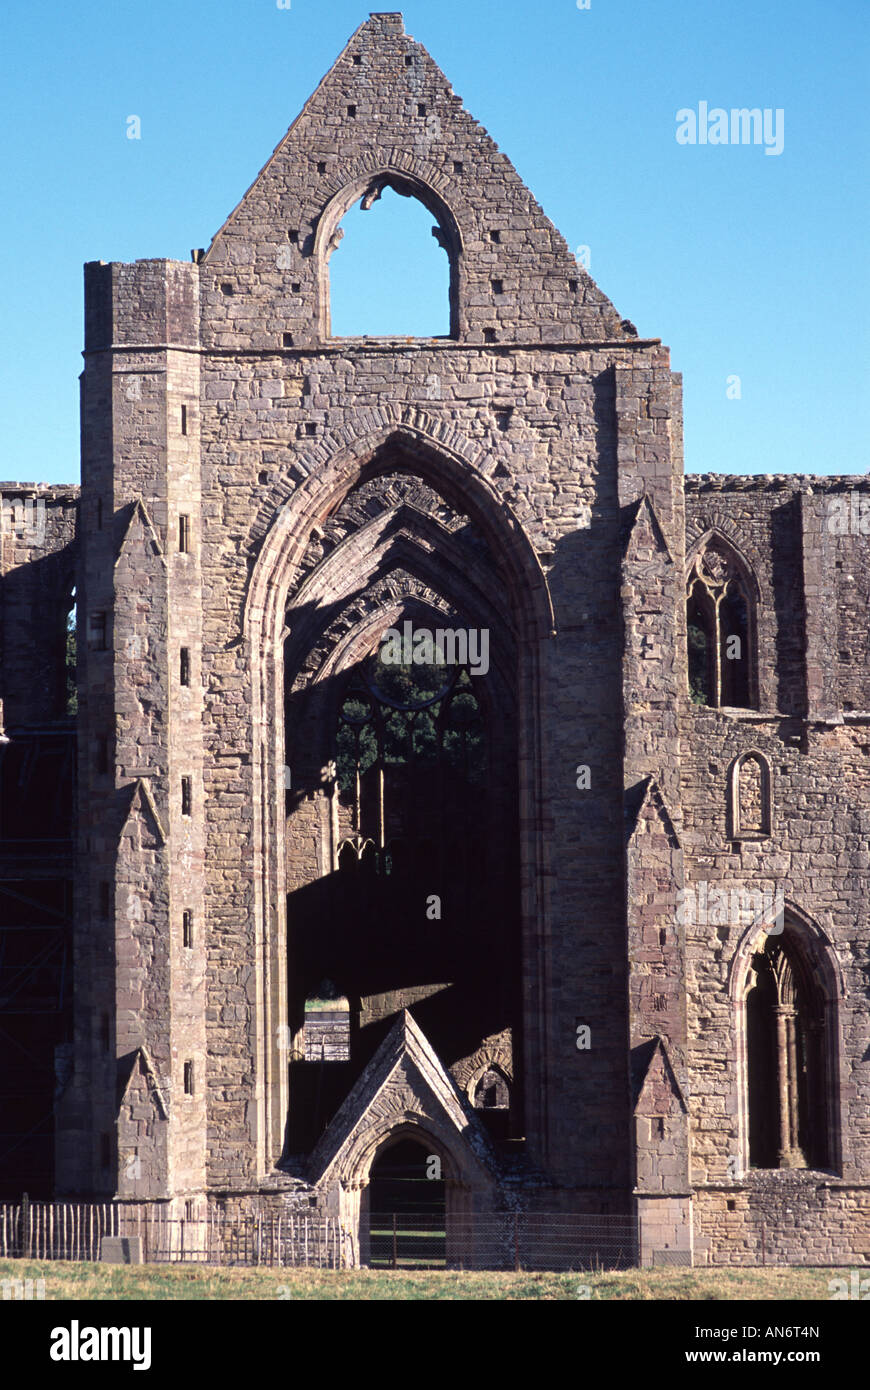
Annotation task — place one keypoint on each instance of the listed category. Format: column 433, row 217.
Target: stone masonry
column 514, row 881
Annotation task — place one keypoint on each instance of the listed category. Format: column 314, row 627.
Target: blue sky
column 745, row 264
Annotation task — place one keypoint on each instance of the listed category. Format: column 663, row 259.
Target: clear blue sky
column 743, row 263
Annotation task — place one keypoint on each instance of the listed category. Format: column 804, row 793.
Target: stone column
column 786, row 1070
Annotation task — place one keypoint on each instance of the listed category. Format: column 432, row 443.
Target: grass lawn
column 65, row 1280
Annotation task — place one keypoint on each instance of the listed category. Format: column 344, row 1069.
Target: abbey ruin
column 589, row 926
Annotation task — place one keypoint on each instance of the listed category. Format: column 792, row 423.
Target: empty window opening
column 187, row 929
column 296, row 287
column 293, row 236
column 184, row 666
column 188, row 1078
column 489, row 335
column 720, row 631
column 351, row 110
column 492, row 1091
column 498, row 286
column 495, row 237
column 226, row 287
column 787, row 1058
column 458, row 166
column 357, row 60
column 69, row 654
column 183, row 535
column 186, row 797
column 388, row 276
column 421, row 108
column 184, row 419
column 409, row 61
column 287, row 339
column 321, row 166
column 327, row 1025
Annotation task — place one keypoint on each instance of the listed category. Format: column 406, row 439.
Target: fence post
column 25, row 1225
column 394, row 1240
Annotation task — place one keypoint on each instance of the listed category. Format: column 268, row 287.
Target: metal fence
column 389, row 1240
column 75, row 1231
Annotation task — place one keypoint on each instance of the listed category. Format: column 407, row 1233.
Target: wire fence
column 149, row 1233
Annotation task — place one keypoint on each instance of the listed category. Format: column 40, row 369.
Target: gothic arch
column 418, row 546
column 436, row 453
column 368, row 186
column 789, row 1052
column 490, row 1077
column 722, row 599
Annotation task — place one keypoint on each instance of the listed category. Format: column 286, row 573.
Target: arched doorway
column 407, row 1208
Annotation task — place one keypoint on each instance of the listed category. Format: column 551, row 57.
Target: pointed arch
column 490, row 1088
column 722, row 597
column 440, row 456
column 786, row 989
column 368, row 188
column 392, row 440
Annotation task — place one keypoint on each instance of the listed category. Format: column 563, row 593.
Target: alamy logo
column 444, row 647
column 855, row 1288
column 742, row 125
column 75, row 1343
column 849, row 514
column 23, row 1289
column 23, row 516
column 710, row 905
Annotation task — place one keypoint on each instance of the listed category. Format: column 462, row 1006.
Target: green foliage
column 698, row 667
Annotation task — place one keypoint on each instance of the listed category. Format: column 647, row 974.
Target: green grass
column 144, row 1282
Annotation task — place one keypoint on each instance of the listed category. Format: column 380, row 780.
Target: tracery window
column 787, row 1039
column 720, row 628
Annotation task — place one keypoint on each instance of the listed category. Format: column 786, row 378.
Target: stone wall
column 257, row 497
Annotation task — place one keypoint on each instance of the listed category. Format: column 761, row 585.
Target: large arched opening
column 402, row 813
column 390, row 529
